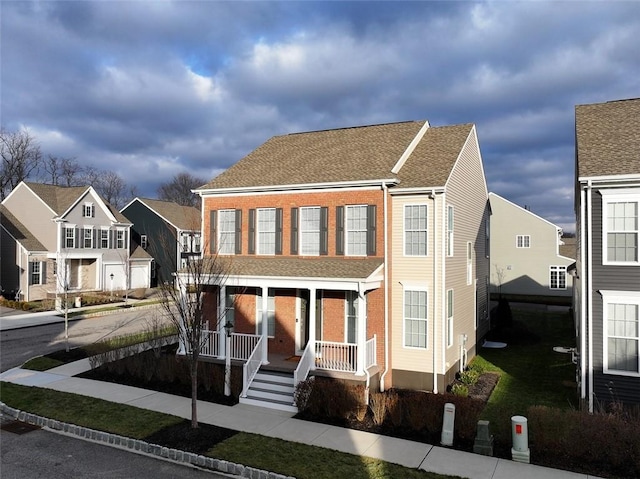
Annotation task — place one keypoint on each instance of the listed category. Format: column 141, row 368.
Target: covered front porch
column 299, row 325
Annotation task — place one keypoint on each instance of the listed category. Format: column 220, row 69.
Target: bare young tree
column 21, row 157
column 62, row 171
column 179, row 189
column 187, row 309
column 111, row 187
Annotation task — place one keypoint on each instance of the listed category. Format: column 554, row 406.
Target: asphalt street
column 43, row 454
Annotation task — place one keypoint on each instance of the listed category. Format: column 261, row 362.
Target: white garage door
column 139, row 276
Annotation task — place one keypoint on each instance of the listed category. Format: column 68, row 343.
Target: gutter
column 386, row 287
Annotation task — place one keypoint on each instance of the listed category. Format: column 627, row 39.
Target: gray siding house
column 56, row 238
column 607, row 286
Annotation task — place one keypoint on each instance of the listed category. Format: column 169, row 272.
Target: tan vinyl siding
column 34, row 215
column 466, row 192
column 413, row 272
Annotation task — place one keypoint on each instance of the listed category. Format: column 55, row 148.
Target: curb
column 141, row 447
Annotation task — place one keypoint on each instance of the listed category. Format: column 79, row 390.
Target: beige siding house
column 525, row 253
column 64, row 238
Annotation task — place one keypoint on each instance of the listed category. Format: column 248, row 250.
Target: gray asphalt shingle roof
column 349, row 154
column 608, row 138
column 183, row 217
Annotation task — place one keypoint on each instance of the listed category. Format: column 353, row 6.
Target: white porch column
column 312, row 322
column 265, row 325
column 221, row 321
column 361, row 331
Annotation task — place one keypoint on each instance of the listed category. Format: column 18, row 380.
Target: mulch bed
column 197, row 441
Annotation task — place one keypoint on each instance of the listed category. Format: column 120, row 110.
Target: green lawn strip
column 253, row 450
column 531, row 374
column 85, row 411
column 42, row 363
column 309, row 462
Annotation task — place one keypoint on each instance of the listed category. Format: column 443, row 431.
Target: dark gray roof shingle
column 183, row 217
column 608, row 138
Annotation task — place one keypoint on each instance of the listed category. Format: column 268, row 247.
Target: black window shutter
column 252, row 231
column 79, row 239
column 213, row 236
column 340, row 230
column 63, row 240
column 371, row 230
column 95, row 238
column 324, row 230
column 294, row 230
column 30, row 273
column 43, row 272
column 278, row 230
column 238, row 231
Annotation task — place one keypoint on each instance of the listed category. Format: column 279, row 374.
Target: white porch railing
column 335, row 356
column 243, row 346
column 210, row 343
column 250, row 368
column 370, row 357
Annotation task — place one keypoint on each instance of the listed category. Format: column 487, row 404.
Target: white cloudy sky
column 150, row 89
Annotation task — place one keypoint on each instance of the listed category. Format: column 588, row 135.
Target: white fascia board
column 129, row 204
column 417, row 191
column 412, row 146
column 310, row 187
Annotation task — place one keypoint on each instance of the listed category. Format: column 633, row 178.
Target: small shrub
column 394, row 408
column 378, row 406
column 302, row 393
column 469, row 377
column 459, row 389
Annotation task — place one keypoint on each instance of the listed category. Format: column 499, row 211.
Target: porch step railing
column 242, row 345
column 251, row 367
column 304, row 365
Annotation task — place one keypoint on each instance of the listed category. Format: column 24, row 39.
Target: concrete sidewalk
column 282, row 425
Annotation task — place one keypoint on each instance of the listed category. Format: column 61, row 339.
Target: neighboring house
column 55, row 237
column 362, row 251
column 607, row 287
column 525, row 254
column 169, row 232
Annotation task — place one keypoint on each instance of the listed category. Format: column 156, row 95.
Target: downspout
column 385, row 191
column 583, row 299
column 435, row 304
column 363, row 354
column 443, row 289
column 589, row 290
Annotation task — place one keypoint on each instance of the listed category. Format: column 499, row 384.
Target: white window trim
column 197, row 243
column 39, row 273
column 528, row 242
column 102, row 231
column 124, row 238
column 73, row 236
column 220, row 232
column 144, row 243
column 185, row 243
column 623, row 297
column 84, row 236
column 404, row 231
column 258, row 243
column 406, row 288
column 301, row 231
column 560, row 270
column 90, row 208
column 619, row 196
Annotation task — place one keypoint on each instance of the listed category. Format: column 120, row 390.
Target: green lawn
column 531, row 372
column 299, row 460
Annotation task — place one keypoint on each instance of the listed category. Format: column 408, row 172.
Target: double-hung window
column 88, row 210
column 557, row 277
column 449, row 318
column 143, row 241
column 310, row 231
column 415, row 318
column 621, row 311
column 620, row 227
column 227, row 231
column 197, row 243
column 104, row 238
column 266, row 231
column 415, row 230
column 87, row 238
column 70, row 237
column 186, row 243
column 35, row 272
column 523, row 241
column 356, row 230
column 120, row 239
column 449, row 230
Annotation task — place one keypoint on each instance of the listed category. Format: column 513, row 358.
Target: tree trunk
column 194, row 391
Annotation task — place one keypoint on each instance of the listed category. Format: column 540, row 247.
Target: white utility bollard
column 520, row 435
column 448, row 420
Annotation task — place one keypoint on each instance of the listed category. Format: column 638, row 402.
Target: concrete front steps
column 271, row 389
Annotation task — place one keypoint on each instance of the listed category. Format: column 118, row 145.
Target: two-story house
column 167, row 231
column 607, row 286
column 56, row 238
column 526, row 254
column 357, row 252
